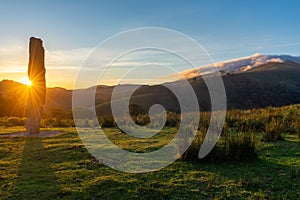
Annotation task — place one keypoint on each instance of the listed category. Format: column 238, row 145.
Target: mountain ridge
column 239, row 64
column 268, row 84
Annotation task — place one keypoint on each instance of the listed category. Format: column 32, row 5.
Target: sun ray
column 26, row 81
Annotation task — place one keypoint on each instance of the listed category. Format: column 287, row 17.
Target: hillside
column 267, row 84
column 13, row 98
column 240, row 64
column 271, row 84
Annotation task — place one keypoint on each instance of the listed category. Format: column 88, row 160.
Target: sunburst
column 26, row 81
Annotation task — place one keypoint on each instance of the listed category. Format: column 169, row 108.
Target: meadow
column 59, row 167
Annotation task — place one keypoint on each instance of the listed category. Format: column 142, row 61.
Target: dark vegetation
column 238, row 142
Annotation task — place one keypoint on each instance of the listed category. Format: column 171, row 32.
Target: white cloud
column 275, row 60
column 240, row 64
column 13, row 59
column 70, row 58
column 16, row 58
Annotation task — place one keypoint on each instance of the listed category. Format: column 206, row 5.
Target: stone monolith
column 37, row 90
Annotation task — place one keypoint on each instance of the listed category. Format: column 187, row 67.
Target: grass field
column 60, row 167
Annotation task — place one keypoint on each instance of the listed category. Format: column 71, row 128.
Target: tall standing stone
column 37, row 91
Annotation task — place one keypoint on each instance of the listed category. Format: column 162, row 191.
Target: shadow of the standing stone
column 36, row 179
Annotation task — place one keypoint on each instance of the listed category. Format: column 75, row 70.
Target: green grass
column 60, row 167
column 15, row 129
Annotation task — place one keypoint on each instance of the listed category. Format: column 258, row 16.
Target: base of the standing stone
column 33, row 126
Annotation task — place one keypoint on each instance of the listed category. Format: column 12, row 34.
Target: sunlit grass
column 60, row 167
column 16, row 129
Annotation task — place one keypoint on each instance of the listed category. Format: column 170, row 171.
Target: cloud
column 275, row 60
column 246, row 68
column 239, row 64
column 70, row 58
column 15, row 58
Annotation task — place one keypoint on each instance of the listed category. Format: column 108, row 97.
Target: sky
column 72, row 29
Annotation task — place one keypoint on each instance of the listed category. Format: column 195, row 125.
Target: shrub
column 272, row 131
column 296, row 124
column 142, row 119
column 14, row 121
column 68, row 122
column 237, row 147
column 48, row 122
column 107, row 121
column 231, row 121
column 240, row 147
column 254, row 125
column 193, row 151
column 291, row 120
column 3, row 121
column 173, row 119
column 204, row 120
column 57, row 122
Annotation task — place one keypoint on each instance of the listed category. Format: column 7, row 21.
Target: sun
column 26, row 81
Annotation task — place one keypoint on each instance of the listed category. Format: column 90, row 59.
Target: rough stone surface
column 37, row 91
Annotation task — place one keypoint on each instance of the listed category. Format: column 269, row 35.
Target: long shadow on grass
column 36, row 180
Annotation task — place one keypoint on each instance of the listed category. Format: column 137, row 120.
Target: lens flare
column 26, row 81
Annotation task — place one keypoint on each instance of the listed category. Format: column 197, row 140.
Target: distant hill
column 271, row 84
column 274, row 82
column 240, row 64
column 13, row 97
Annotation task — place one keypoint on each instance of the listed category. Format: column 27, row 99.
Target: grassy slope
column 60, row 167
column 273, row 84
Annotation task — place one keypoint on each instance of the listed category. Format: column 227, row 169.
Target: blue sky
column 227, row 29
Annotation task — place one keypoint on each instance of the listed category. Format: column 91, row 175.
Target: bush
column 48, row 122
column 142, row 119
column 291, row 120
column 272, row 132
column 57, row 122
column 204, row 120
column 3, row 121
column 296, row 124
column 231, row 121
column 14, row 121
column 271, row 137
column 173, row 119
column 107, row 121
column 193, row 151
column 240, row 147
column 67, row 122
column 254, row 125
column 237, row 147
